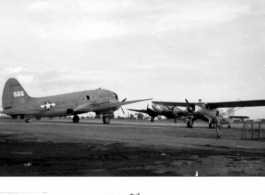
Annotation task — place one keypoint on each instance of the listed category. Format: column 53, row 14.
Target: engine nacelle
column 177, row 110
column 191, row 108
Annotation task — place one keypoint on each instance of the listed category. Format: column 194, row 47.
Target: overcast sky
column 166, row 50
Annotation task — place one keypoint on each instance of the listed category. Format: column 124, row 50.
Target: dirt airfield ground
column 126, row 148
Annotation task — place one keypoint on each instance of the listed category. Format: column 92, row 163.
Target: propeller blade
column 122, row 110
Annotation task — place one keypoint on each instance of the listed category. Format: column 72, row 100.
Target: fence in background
column 251, row 127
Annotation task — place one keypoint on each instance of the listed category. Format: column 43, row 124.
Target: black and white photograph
column 132, row 91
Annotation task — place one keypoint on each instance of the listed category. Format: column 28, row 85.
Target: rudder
column 13, row 94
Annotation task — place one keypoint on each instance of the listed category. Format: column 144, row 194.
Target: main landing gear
column 27, row 120
column 106, row 119
column 211, row 125
column 190, row 124
column 76, row 119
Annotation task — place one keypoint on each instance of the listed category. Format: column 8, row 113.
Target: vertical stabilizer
column 14, row 94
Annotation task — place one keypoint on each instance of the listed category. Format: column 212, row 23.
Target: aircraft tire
column 189, row 124
column 14, row 117
column 27, row 120
column 38, row 118
column 229, row 126
column 210, row 125
column 76, row 119
column 106, row 119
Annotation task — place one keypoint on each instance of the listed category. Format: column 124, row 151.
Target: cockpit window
column 116, row 96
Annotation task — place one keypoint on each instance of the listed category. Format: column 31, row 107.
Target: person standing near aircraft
column 218, row 124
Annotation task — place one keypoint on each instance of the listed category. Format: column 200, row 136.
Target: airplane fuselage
column 63, row 105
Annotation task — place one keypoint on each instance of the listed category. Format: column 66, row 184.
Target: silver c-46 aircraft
column 207, row 111
column 18, row 104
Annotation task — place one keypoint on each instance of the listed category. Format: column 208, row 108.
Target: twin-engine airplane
column 207, row 111
column 17, row 103
column 161, row 110
column 173, row 112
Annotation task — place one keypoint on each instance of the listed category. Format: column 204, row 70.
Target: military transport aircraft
column 17, row 103
column 207, row 111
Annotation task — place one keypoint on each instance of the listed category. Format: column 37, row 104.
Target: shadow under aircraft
column 207, row 111
column 18, row 104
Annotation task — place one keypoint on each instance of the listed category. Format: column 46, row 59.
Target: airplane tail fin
column 14, row 94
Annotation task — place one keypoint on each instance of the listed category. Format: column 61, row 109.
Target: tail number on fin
column 18, row 93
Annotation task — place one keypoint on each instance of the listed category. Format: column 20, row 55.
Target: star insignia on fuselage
column 47, row 105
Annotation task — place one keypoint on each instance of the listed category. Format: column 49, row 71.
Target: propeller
column 148, row 109
column 121, row 106
column 191, row 108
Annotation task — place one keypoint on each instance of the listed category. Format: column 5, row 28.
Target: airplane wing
column 213, row 105
column 240, row 117
column 248, row 103
column 19, row 112
column 180, row 104
column 104, row 105
column 142, row 111
column 89, row 104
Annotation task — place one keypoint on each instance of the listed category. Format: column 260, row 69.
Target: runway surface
column 59, row 147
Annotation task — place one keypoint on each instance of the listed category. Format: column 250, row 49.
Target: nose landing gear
column 190, row 124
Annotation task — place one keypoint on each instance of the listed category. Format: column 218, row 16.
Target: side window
column 87, row 97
